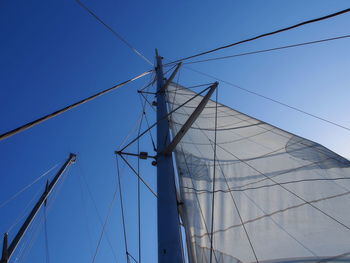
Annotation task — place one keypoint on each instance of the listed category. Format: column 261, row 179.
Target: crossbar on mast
column 181, row 133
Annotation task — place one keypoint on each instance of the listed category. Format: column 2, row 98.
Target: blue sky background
column 54, row 53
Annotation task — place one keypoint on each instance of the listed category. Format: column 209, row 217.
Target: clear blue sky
column 53, row 53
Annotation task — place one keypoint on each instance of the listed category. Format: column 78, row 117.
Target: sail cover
column 277, row 197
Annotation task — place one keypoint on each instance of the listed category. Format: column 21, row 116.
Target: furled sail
column 277, row 197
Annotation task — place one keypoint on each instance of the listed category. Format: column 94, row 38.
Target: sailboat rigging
column 230, row 188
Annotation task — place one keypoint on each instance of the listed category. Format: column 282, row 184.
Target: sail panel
column 278, row 197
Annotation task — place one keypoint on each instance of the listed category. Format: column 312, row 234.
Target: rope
column 270, row 49
column 67, row 108
column 214, row 177
column 266, row 34
column 271, row 99
column 114, row 32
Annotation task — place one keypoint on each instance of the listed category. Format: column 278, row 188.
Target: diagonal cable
column 122, row 211
column 269, row 49
column 67, row 108
column 81, row 176
column 214, row 177
column 166, row 116
column 27, row 186
column 104, row 224
column 266, row 34
column 135, row 172
column 270, row 99
column 114, row 32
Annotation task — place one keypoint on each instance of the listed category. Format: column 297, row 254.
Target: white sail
column 278, row 197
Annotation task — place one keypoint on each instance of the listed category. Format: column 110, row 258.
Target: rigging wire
column 234, row 202
column 113, row 32
column 25, row 210
column 27, row 186
column 266, row 34
column 136, row 124
column 166, row 116
column 35, row 227
column 96, row 209
column 138, row 176
column 27, row 244
column 232, row 197
column 105, row 224
column 189, row 170
column 270, row 99
column 286, row 189
column 47, row 251
column 213, row 191
column 214, row 177
column 143, row 107
column 269, row 49
column 67, row 108
column 84, row 202
column 138, row 196
column 122, row 211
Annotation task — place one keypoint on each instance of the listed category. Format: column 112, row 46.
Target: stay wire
column 266, row 34
column 146, row 119
column 105, row 223
column 143, row 107
column 34, row 227
column 26, row 210
column 46, row 236
column 139, row 198
column 113, row 32
column 271, row 99
column 269, row 49
column 84, row 203
column 136, row 124
column 27, row 186
column 166, row 116
column 96, row 210
column 135, row 172
column 122, row 211
column 214, row 177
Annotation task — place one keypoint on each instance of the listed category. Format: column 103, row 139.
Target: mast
column 8, row 250
column 169, row 238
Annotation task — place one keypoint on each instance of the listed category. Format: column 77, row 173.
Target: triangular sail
column 278, row 197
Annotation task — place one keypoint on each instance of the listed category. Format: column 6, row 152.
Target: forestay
column 277, row 195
